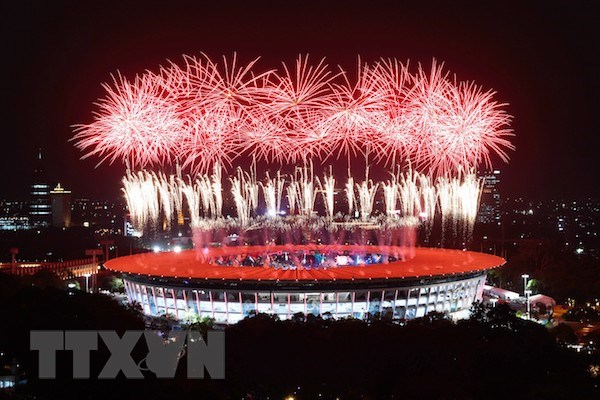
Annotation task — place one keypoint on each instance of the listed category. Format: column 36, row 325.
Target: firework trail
column 327, row 188
column 366, row 191
column 349, row 190
column 390, row 196
column 272, row 193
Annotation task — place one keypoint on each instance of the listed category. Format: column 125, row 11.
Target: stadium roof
column 427, row 262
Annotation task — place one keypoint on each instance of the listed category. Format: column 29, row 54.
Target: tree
column 499, row 316
column 135, row 307
column 299, row 317
column 564, row 334
column 46, row 279
column 116, row 285
column 163, row 323
column 202, row 325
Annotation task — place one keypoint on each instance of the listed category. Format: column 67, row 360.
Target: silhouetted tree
column 563, row 333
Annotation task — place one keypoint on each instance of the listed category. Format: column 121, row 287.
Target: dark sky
column 542, row 58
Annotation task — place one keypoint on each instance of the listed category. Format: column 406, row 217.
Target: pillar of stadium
column 456, row 297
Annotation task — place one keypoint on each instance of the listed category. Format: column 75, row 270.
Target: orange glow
column 187, row 264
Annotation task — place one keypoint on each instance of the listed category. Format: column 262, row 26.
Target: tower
column 61, row 207
column 40, row 212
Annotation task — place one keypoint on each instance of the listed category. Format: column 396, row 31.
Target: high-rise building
column 489, row 207
column 40, row 211
column 61, row 207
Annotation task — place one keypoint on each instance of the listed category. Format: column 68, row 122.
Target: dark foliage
column 558, row 272
column 582, row 314
column 493, row 355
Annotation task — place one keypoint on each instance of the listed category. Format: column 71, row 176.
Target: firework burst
column 137, row 122
column 203, row 113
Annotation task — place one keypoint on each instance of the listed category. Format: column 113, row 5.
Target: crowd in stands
column 303, row 260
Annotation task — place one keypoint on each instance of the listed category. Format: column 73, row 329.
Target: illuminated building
column 40, row 210
column 489, row 208
column 61, row 207
column 14, row 223
column 99, row 215
column 14, row 215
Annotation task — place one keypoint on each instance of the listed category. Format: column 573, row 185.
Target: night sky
column 543, row 59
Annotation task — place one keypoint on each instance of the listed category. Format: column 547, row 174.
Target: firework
column 390, row 195
column 206, row 116
column 272, row 192
column 206, row 113
column 349, row 190
column 137, row 122
column 327, row 188
column 306, row 190
column 366, row 191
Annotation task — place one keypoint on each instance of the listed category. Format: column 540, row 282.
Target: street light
column 13, row 263
column 93, row 253
column 525, row 277
column 527, row 293
column 87, row 278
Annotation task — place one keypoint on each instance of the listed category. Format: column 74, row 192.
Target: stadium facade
column 358, row 281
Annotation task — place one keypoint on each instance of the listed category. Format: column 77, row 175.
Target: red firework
column 351, row 124
column 204, row 112
column 137, row 122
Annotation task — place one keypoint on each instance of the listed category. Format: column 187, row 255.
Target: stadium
column 228, row 284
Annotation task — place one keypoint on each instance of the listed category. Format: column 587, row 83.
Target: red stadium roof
column 191, row 264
